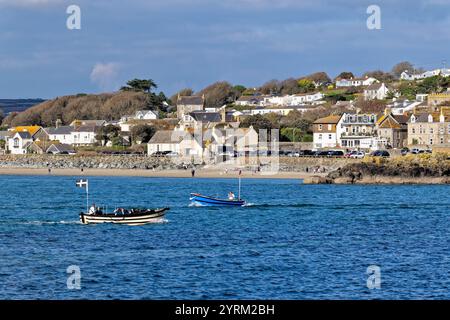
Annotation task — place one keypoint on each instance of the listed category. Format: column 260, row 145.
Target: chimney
column 58, row 123
column 224, row 114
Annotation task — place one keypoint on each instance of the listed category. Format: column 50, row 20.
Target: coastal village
column 350, row 114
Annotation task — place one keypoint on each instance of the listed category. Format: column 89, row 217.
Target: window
column 413, row 130
column 431, row 130
column 330, row 127
column 320, row 127
column 330, row 137
column 442, row 140
column 16, row 143
column 431, row 140
column 320, row 136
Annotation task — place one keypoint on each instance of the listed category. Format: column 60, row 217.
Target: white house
column 299, row 99
column 427, row 74
column 376, row 91
column 62, row 134
column 324, row 132
column 357, row 131
column 355, row 82
column 19, row 142
column 141, row 115
column 84, row 135
column 181, row 142
column 293, row 100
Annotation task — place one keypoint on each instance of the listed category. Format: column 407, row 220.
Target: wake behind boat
column 201, row 200
column 133, row 217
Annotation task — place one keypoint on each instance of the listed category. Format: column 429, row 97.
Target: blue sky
column 194, row 43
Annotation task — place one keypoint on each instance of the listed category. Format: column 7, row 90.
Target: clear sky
column 192, row 43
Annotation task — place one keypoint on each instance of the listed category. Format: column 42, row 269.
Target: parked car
column 350, row 153
column 380, row 153
column 306, row 153
column 321, row 154
column 160, row 153
column 173, row 154
column 404, row 151
column 335, row 153
column 358, row 155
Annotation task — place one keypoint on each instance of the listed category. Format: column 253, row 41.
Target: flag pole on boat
column 84, row 184
column 239, row 194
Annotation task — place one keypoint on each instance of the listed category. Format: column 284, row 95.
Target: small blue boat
column 210, row 201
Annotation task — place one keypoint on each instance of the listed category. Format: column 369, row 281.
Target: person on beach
column 193, row 172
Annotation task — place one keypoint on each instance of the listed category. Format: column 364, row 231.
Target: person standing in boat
column 231, row 196
column 92, row 209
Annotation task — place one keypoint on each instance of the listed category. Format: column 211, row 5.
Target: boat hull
column 209, row 201
column 151, row 216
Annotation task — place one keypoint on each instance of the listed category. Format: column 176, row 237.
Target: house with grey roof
column 181, row 142
column 60, row 148
column 188, row 104
column 84, row 135
column 62, row 134
column 376, row 91
column 19, row 142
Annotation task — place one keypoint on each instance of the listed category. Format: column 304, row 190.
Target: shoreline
column 220, row 174
column 200, row 173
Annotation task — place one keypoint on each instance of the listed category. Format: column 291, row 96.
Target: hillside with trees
column 137, row 95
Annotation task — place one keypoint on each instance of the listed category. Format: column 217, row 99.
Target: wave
column 40, row 223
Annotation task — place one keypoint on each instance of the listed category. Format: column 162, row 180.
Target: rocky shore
column 88, row 162
column 423, row 169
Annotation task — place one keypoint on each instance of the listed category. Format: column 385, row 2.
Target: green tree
column 142, row 133
column 107, row 133
column 257, row 122
column 140, row 85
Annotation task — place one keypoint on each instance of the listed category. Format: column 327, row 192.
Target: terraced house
column 392, row 130
column 430, row 129
column 325, row 135
column 357, row 131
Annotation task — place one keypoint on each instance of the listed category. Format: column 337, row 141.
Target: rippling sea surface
column 293, row 241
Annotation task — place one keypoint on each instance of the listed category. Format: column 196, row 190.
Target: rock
column 344, row 180
column 318, row 180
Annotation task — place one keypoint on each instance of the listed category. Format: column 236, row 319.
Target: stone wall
column 89, row 162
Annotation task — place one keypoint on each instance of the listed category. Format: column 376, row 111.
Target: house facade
column 430, row 129
column 392, row 130
column 325, row 132
column 357, row 131
column 19, row 142
column 188, row 104
column 376, row 91
column 355, row 82
column 84, row 135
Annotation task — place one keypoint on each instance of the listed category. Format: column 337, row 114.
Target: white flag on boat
column 82, row 183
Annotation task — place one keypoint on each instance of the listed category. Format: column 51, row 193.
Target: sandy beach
column 205, row 173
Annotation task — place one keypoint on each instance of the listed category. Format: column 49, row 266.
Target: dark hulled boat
column 132, row 218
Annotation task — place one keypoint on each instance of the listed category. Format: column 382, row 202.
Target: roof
column 328, row 120
column 98, row 123
column 250, row 98
column 86, row 128
column 206, row 116
column 61, row 147
column 60, row 130
column 190, row 100
column 24, row 135
column 32, row 130
column 375, row 86
column 167, row 136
